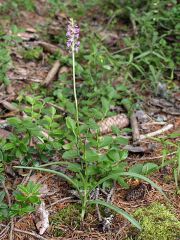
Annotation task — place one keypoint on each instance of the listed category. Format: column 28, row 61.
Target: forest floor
column 43, row 29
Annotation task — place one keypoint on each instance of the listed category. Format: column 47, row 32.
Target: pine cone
column 120, row 121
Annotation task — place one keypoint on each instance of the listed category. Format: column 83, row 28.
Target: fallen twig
column 139, row 149
column 56, row 106
column 153, row 123
column 9, row 106
column 52, row 73
column 63, row 200
column 133, row 120
column 3, row 233
column 97, row 206
column 26, row 232
column 134, row 126
column 50, row 48
column 158, row 132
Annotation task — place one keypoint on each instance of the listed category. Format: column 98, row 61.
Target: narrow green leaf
column 118, row 210
column 142, row 55
column 135, row 175
column 68, row 179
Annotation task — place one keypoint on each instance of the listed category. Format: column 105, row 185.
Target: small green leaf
column 70, row 123
column 30, row 100
column 121, row 140
column 2, row 195
column 113, row 154
column 148, row 168
column 8, row 146
column 34, row 199
column 91, row 156
column 105, row 141
column 137, row 168
column 74, row 167
column 70, row 154
column 14, row 121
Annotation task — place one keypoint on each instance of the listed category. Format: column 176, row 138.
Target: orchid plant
column 95, row 160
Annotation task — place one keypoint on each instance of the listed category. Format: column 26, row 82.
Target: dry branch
column 158, row 132
column 63, row 200
column 133, row 120
column 26, row 232
column 8, row 106
column 50, row 48
column 135, row 128
column 52, row 73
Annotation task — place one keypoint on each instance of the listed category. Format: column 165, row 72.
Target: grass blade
column 60, row 174
column 135, row 175
column 118, row 210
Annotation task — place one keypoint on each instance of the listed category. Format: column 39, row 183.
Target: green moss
column 157, row 222
column 32, row 54
column 69, row 216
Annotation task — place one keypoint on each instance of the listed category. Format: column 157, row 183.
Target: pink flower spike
column 72, row 36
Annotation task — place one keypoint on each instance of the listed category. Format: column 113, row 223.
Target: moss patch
column 69, row 216
column 157, row 222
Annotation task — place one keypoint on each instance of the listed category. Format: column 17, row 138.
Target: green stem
column 84, row 204
column 74, row 87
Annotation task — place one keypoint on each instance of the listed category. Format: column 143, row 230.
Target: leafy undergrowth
column 127, row 63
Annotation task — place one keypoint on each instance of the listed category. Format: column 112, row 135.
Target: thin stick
column 56, row 106
column 158, row 132
column 50, row 48
column 52, row 73
column 9, row 106
column 63, row 200
column 4, row 232
column 97, row 206
column 134, row 126
column 26, row 232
